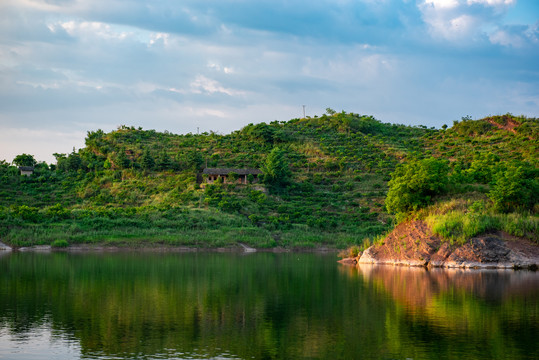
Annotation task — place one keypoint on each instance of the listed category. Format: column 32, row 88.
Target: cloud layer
column 68, row 66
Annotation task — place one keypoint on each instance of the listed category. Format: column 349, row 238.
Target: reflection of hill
column 455, row 306
column 413, row 285
column 452, row 298
column 261, row 306
column 266, row 306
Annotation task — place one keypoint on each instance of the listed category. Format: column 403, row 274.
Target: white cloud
column 492, row 2
column 503, row 38
column 203, row 84
column 159, row 38
column 203, row 112
column 41, row 143
column 447, row 20
column 217, row 67
column 462, row 21
column 85, row 28
column 444, row 4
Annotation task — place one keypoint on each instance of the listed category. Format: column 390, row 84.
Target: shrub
column 60, row 243
column 276, row 171
column 28, row 213
column 413, row 185
column 57, row 212
column 514, row 188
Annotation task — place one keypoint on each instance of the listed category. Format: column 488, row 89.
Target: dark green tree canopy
column 24, row 160
column 275, row 169
column 515, row 188
column 414, row 184
column 147, row 160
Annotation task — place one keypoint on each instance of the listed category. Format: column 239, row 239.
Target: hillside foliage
column 325, row 182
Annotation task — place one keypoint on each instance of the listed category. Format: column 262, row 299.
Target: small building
column 26, row 170
column 212, row 174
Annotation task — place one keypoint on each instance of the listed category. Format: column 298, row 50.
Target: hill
column 140, row 187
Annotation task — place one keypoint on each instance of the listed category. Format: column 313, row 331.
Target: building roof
column 226, row 171
column 26, row 168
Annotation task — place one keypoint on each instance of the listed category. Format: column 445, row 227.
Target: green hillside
column 140, row 187
column 482, row 176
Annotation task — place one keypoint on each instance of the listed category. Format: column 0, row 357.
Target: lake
column 259, row 306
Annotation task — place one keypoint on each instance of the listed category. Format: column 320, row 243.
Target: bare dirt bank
column 413, row 244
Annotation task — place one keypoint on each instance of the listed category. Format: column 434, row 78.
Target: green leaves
column 24, row 160
column 276, row 171
column 147, row 160
column 515, row 188
column 414, row 184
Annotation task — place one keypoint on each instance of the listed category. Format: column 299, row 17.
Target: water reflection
column 263, row 306
column 417, row 286
column 460, row 309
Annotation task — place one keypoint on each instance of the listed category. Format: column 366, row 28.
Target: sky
column 72, row 66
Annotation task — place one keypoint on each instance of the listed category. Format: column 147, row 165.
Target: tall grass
column 458, row 227
column 460, row 220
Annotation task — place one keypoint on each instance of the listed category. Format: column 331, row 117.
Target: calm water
column 259, row 306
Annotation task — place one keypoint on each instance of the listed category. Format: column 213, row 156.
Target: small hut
column 212, row 174
column 26, row 170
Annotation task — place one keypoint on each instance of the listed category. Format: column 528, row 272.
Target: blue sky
column 69, row 66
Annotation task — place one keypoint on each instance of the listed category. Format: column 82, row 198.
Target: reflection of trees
column 142, row 304
column 461, row 308
column 264, row 306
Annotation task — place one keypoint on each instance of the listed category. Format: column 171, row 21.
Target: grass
column 60, row 243
column 459, row 220
column 340, row 163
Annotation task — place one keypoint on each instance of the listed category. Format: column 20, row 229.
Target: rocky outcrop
column 4, row 247
column 351, row 261
column 413, row 244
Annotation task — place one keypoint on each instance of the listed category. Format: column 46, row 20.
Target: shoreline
column 103, row 248
column 413, row 244
column 355, row 262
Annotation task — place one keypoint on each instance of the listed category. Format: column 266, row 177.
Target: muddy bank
column 413, row 244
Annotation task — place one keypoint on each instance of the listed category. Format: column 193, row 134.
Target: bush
column 413, row 185
column 57, row 212
column 276, row 171
column 26, row 212
column 60, row 243
column 515, row 188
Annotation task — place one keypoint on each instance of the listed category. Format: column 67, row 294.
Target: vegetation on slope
column 133, row 184
column 481, row 176
column 325, row 183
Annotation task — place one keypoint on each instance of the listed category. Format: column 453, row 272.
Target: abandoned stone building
column 26, row 170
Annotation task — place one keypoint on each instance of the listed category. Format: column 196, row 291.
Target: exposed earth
column 413, row 244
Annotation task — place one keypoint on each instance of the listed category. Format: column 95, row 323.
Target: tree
column 195, row 160
column 24, row 160
column 260, row 132
column 74, row 162
column 61, row 161
column 122, row 161
column 163, row 161
column 515, row 188
column 330, row 111
column 147, row 160
column 414, row 184
column 233, row 177
column 275, row 168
